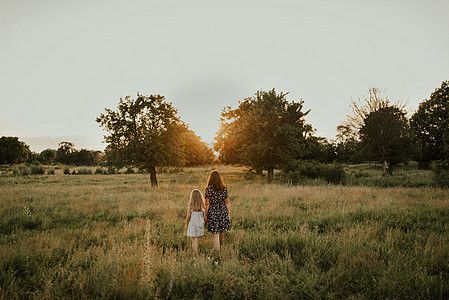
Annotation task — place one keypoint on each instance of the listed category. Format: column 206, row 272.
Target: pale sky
column 63, row 62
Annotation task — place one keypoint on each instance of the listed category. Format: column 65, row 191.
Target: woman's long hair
column 215, row 181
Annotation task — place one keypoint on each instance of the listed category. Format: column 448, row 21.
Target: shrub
column 84, row 171
column 334, row 174
column 129, row 171
column 100, row 171
column 441, row 174
column 112, row 170
column 67, row 170
column 51, row 171
column 21, row 170
column 314, row 170
column 74, row 172
column 37, row 170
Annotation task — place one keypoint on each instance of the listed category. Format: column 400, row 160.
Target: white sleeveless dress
column 196, row 224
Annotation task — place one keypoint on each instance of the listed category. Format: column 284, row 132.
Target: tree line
column 14, row 151
column 264, row 132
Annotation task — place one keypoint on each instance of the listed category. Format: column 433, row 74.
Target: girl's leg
column 216, row 241
column 195, row 244
column 221, row 238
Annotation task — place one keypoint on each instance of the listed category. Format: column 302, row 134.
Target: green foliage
column 100, row 171
column 84, row 171
column 129, row 171
column 63, row 154
column 67, row 154
column 13, row 151
column 430, row 124
column 37, row 170
column 143, row 133
column 302, row 170
column 47, row 156
column 265, row 132
column 21, row 170
column 406, row 175
column 441, row 174
column 386, row 137
column 66, row 170
column 195, row 151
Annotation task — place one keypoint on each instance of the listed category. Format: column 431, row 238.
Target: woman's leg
column 216, row 241
column 221, row 238
column 195, row 244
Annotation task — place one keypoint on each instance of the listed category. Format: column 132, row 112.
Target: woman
column 217, row 208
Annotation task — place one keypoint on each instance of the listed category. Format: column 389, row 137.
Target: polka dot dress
column 217, row 215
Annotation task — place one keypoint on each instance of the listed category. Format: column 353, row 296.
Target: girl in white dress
column 195, row 218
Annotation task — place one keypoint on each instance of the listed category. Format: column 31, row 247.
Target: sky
column 63, row 62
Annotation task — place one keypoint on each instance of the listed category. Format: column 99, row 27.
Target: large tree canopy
column 143, row 133
column 195, row 151
column 264, row 132
column 431, row 126
column 13, row 151
column 385, row 136
column 348, row 137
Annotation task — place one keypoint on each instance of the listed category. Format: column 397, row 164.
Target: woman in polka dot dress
column 217, row 208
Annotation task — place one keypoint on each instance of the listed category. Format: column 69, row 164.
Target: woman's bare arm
column 228, row 208
column 206, row 204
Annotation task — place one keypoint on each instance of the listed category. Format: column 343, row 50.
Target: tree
column 385, row 136
column 319, row 149
column 430, row 124
column 376, row 99
column 13, row 151
column 47, row 156
column 347, row 145
column 265, row 132
column 143, row 133
column 64, row 152
column 195, row 151
column 83, row 157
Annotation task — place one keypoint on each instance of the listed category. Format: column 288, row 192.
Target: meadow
column 115, row 236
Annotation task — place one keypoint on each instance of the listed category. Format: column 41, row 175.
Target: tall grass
column 88, row 237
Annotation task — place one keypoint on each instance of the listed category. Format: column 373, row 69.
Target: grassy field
column 88, row 236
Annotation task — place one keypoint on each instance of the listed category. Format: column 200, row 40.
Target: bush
column 129, row 171
column 84, row 171
column 21, row 170
column 112, row 170
column 67, row 170
column 37, row 170
column 334, row 174
column 51, row 171
column 100, row 171
column 441, row 174
column 314, row 170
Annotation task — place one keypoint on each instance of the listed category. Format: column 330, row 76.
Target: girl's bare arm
column 188, row 219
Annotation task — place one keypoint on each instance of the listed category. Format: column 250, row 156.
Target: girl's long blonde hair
column 196, row 200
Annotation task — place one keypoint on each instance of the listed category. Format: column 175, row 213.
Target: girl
column 217, row 208
column 195, row 218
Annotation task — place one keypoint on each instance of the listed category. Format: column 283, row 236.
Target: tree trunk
column 153, row 176
column 270, row 174
column 387, row 170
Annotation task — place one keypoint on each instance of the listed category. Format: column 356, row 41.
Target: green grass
column 87, row 237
